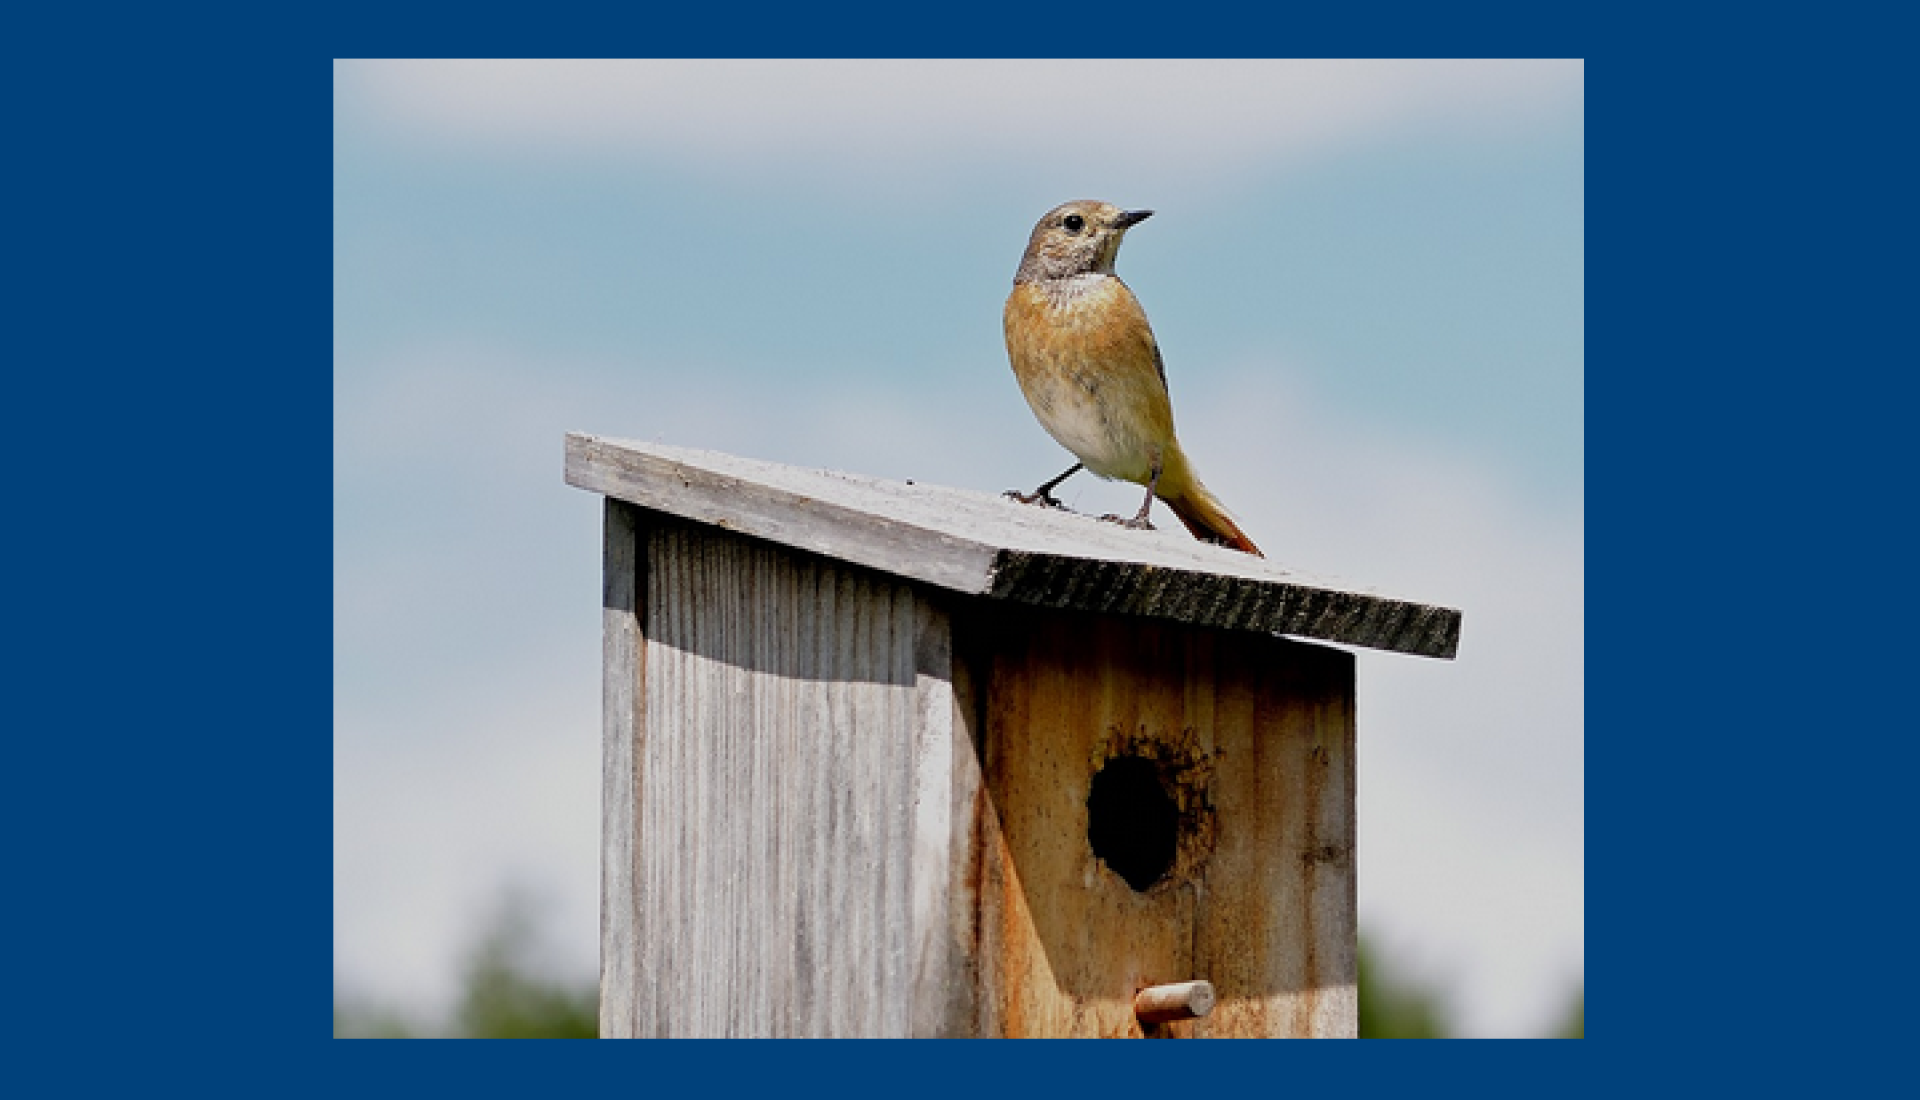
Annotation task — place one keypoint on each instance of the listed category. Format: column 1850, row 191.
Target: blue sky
column 1367, row 280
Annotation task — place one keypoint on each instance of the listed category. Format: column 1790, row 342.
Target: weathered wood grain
column 1279, row 935
column 982, row 544
column 623, row 666
column 798, row 784
column 838, row 803
column 1253, row 739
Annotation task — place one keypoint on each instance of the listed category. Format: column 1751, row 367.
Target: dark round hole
column 1131, row 821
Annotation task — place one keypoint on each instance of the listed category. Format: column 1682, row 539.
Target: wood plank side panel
column 1068, row 942
column 799, row 767
column 622, row 964
column 947, row 796
column 1252, row 738
column 1279, row 934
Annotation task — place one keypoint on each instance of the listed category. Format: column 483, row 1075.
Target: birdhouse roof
column 983, row 544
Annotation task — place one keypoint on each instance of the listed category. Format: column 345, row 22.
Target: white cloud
column 934, row 125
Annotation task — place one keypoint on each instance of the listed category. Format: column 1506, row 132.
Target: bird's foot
column 1041, row 497
column 1137, row 523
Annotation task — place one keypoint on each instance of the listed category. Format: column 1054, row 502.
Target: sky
column 1367, row 280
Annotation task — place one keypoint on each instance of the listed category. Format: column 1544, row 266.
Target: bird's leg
column 1044, row 494
column 1139, row 520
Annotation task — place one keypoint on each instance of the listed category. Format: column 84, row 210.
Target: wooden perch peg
column 1162, row 1004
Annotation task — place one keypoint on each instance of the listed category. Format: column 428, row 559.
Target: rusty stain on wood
column 1261, row 904
column 839, row 803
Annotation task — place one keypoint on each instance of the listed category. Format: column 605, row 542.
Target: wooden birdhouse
column 886, row 759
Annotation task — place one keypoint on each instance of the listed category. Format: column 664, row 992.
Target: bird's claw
column 1044, row 500
column 1137, row 523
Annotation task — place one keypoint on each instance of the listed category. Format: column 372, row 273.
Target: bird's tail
column 1200, row 510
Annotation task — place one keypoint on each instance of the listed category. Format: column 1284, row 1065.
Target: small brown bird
column 1088, row 364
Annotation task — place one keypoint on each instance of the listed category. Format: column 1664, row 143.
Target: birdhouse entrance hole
column 1132, row 821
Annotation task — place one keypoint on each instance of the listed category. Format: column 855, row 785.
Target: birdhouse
column 887, row 759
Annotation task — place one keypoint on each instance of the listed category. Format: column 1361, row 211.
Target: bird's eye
column 1074, row 223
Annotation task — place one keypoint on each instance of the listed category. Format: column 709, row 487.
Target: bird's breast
column 1088, row 365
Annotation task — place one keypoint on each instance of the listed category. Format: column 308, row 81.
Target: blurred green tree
column 506, row 990
column 1575, row 1026
column 505, row 994
column 1394, row 1007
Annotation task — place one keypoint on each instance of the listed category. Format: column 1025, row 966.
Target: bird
column 1091, row 370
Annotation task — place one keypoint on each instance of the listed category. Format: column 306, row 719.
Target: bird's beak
column 1133, row 217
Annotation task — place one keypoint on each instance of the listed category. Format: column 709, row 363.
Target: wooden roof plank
column 983, row 544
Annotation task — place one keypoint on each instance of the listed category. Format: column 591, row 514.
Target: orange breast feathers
column 1087, row 363
column 1090, row 319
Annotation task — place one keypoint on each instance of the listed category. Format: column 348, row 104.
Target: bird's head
column 1077, row 238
